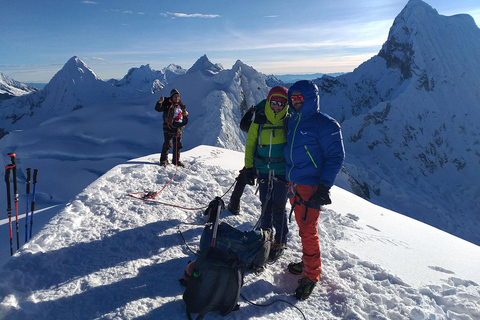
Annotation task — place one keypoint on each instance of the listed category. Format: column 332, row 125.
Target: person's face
column 176, row 98
column 297, row 100
column 277, row 104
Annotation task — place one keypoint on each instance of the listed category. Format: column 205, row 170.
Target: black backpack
column 251, row 247
column 215, row 283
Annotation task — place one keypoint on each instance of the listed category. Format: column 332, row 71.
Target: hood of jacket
column 310, row 92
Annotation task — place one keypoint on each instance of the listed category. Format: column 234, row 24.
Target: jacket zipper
column 291, row 146
column 311, row 158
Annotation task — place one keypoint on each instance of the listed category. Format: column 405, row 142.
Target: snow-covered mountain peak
column 421, row 40
column 146, row 79
column 12, row 88
column 174, row 68
column 410, row 119
column 76, row 68
column 75, row 76
column 73, row 87
column 204, row 65
column 417, row 8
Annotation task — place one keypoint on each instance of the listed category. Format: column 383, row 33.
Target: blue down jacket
column 314, row 152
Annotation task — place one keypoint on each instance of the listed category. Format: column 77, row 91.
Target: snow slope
column 108, row 256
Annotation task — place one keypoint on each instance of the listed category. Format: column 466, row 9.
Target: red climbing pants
column 307, row 220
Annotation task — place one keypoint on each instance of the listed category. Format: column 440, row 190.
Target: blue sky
column 274, row 37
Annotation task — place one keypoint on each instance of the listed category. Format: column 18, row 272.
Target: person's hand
column 321, row 196
column 249, row 175
column 185, row 113
column 161, row 99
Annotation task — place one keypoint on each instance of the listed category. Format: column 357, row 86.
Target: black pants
column 237, row 191
column 274, row 213
column 172, row 137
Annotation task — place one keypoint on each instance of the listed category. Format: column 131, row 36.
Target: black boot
column 164, row 157
column 234, row 205
column 304, row 289
column 176, row 160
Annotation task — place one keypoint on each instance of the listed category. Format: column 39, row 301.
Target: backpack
column 214, row 284
column 252, row 247
column 216, row 279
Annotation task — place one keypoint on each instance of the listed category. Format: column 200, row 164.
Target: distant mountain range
column 292, row 78
column 409, row 116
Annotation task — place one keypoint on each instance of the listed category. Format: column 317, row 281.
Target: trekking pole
column 13, row 158
column 28, row 200
column 8, row 168
column 35, row 172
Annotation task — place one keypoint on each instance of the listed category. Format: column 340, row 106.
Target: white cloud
column 190, row 15
column 89, row 2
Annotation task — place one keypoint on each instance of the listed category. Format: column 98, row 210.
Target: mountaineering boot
column 304, row 288
column 295, row 267
column 176, row 160
column 179, row 164
column 164, row 157
column 233, row 209
column 276, row 251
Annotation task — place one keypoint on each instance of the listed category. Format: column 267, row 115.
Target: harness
column 292, row 192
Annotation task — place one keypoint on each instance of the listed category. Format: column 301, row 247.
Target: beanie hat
column 174, row 92
column 278, row 91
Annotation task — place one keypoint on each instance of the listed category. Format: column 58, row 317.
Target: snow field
column 108, row 256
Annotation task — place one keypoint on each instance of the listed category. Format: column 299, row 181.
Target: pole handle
column 29, row 173
column 35, row 172
column 7, row 173
column 13, row 158
column 8, row 168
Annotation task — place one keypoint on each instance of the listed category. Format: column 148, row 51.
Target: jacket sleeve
column 333, row 150
column 250, row 145
column 159, row 107
column 246, row 120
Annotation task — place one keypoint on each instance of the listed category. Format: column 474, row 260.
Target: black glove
column 321, row 196
column 249, row 175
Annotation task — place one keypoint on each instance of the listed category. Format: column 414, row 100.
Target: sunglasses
column 278, row 103
column 297, row 97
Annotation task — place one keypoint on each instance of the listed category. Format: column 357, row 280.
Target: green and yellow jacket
column 266, row 141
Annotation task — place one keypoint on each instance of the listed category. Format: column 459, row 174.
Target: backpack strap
column 261, row 159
